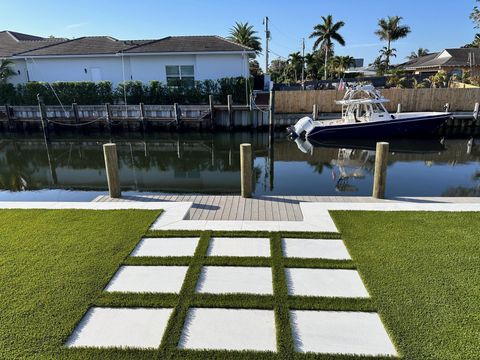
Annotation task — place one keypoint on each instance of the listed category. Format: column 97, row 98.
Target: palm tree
column 390, row 30
column 296, row 62
column 244, row 34
column 6, row 70
column 342, row 63
column 324, row 35
column 387, row 53
column 419, row 53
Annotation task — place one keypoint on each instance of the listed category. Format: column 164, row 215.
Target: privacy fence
column 410, row 100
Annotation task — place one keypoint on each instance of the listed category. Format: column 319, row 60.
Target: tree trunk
column 326, row 61
column 388, row 54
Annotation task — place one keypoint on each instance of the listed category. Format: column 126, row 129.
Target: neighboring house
column 12, row 42
column 97, row 58
column 452, row 61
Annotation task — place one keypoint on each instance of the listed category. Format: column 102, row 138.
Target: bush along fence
column 134, row 92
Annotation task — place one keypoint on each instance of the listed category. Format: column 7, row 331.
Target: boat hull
column 405, row 128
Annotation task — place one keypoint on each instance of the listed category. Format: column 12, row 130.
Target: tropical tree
column 278, row 70
column 244, row 34
column 325, row 34
column 390, row 30
column 313, row 64
column 387, row 53
column 341, row 64
column 295, row 61
column 474, row 43
column 6, row 70
column 439, row 80
column 379, row 65
column 417, row 54
column 475, row 16
column 255, row 68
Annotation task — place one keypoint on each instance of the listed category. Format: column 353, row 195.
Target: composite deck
column 262, row 208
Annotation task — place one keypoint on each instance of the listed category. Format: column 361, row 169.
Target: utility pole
column 303, row 63
column 267, row 38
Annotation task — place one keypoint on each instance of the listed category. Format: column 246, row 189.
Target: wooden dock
column 263, row 208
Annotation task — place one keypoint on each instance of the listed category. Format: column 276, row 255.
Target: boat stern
column 304, row 125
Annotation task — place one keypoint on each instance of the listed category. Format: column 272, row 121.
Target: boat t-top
column 364, row 116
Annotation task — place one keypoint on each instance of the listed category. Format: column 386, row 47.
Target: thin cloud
column 364, row 45
column 76, row 26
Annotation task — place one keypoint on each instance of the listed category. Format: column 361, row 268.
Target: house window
column 180, row 75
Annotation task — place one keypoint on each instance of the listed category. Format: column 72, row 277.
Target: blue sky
column 436, row 24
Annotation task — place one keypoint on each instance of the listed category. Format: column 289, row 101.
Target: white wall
column 136, row 67
column 73, row 69
column 19, row 65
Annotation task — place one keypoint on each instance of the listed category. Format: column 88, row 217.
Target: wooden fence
column 411, row 100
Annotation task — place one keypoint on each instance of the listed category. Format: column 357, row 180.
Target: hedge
column 155, row 92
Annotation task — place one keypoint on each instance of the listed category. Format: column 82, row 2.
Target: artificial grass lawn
column 53, row 264
column 422, row 270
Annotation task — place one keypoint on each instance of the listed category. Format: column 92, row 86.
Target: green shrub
column 155, row 92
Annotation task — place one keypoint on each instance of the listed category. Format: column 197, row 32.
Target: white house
column 97, row 58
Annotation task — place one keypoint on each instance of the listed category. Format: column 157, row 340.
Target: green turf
column 53, row 265
column 420, row 268
column 423, row 272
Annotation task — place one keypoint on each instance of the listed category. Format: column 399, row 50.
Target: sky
column 435, row 24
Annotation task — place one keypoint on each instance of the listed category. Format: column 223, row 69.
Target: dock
column 268, row 208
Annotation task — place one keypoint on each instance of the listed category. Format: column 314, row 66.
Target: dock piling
column 108, row 114
column 399, row 108
column 176, row 115
column 43, row 116
column 314, row 112
column 75, row 112
column 271, row 113
column 246, row 170
column 380, row 174
column 230, row 111
column 476, row 110
column 212, row 111
column 142, row 114
column 8, row 112
column 111, row 167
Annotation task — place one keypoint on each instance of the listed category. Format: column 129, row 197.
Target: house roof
column 207, row 43
column 448, row 57
column 86, row 45
column 106, row 45
column 12, row 42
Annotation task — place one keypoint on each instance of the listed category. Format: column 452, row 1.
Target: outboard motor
column 305, row 124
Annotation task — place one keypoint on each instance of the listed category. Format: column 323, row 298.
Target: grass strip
column 280, row 290
column 174, row 327
column 154, row 260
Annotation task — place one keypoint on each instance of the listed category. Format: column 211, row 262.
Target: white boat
column 365, row 116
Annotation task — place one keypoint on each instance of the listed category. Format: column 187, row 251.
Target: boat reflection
column 355, row 159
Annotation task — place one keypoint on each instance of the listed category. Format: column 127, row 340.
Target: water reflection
column 209, row 163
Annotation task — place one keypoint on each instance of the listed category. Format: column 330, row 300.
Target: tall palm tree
column 390, row 30
column 244, row 34
column 324, row 35
column 6, row 70
column 419, row 53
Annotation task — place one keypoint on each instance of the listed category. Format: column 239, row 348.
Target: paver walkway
column 249, row 326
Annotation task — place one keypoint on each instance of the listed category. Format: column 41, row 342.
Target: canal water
column 209, row 163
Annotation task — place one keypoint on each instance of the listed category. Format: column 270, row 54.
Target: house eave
column 20, row 56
